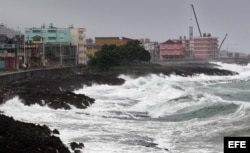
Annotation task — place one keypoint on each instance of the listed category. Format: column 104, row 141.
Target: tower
column 191, row 35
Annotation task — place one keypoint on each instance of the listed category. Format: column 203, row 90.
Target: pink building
column 171, row 49
column 205, row 47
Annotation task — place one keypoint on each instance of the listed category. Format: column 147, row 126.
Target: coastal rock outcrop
column 55, row 100
column 56, row 91
column 19, row 137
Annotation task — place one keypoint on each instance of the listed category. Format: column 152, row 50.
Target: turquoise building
column 54, row 46
column 46, row 35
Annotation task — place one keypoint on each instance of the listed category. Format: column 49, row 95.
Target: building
column 112, row 40
column 188, row 46
column 171, row 49
column 107, row 40
column 205, row 47
column 8, row 53
column 78, row 38
column 93, row 47
column 225, row 54
column 56, row 46
column 9, row 45
column 152, row 47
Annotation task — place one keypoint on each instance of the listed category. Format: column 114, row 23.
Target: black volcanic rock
column 55, row 90
column 55, row 100
column 19, row 137
column 75, row 145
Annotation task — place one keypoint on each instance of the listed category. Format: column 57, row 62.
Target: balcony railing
column 81, row 30
column 8, row 46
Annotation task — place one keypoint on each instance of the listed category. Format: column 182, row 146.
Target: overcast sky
column 158, row 20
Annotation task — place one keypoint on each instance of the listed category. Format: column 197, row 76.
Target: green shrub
column 112, row 55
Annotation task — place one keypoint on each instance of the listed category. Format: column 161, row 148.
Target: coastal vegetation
column 112, row 55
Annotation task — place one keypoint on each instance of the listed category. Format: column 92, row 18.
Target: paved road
column 32, row 69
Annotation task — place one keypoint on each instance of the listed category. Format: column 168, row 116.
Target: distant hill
column 9, row 32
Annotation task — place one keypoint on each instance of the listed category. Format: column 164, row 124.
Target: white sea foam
column 129, row 117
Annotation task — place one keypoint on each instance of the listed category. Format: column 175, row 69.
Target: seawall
column 45, row 73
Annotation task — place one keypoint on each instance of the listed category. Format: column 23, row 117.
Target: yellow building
column 112, row 40
column 92, row 47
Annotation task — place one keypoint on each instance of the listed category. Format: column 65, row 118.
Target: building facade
column 94, row 46
column 112, row 40
column 9, row 47
column 78, row 38
column 205, row 47
column 152, row 47
column 188, row 47
column 8, row 54
column 64, row 46
column 171, row 49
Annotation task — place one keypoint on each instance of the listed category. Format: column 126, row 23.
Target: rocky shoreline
column 16, row 137
column 57, row 93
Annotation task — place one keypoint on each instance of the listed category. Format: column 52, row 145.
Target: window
column 51, row 31
column 52, row 38
column 36, row 31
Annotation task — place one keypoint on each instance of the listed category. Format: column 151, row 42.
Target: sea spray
column 153, row 113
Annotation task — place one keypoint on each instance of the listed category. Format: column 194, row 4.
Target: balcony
column 8, row 46
column 3, row 53
column 51, row 35
column 36, row 31
column 51, row 30
column 81, row 36
column 81, row 30
column 80, row 43
column 81, row 48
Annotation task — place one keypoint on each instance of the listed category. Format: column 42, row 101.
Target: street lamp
column 43, row 53
column 60, row 52
column 24, row 58
column 62, row 36
column 43, row 57
column 77, row 50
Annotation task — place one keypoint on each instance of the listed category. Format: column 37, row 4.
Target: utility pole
column 60, row 52
column 24, row 50
column 43, row 57
column 16, row 53
column 76, row 52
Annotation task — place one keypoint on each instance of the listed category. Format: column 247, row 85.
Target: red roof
column 169, row 41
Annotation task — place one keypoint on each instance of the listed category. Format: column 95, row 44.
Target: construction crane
column 196, row 20
column 223, row 41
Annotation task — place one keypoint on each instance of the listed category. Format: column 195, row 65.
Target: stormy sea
column 152, row 114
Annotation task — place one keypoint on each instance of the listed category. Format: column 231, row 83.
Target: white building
column 152, row 47
column 78, row 38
